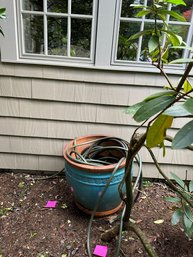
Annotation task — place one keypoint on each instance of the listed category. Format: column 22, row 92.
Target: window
column 57, row 28
column 84, row 33
column 136, row 52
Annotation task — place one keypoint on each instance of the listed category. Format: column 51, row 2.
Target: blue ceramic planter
column 87, row 183
column 87, row 187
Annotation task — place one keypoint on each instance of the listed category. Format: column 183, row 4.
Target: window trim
column 102, row 57
column 118, row 19
column 45, row 14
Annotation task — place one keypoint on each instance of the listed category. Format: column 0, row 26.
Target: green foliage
column 177, row 111
column 158, row 10
column 157, row 131
column 179, row 181
column 177, row 215
column 184, row 136
column 152, row 107
column 183, row 211
column 159, row 110
column 2, row 16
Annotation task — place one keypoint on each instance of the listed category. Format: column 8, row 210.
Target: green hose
column 101, row 152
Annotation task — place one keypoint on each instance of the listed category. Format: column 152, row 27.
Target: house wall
column 43, row 107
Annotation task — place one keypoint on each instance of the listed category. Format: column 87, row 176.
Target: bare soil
column 27, row 229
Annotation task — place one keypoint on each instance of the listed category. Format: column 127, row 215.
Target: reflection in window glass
column 80, row 37
column 144, row 48
column 182, row 31
column 127, row 50
column 186, row 11
column 59, row 6
column 33, row 33
column 129, row 11
column 60, row 29
column 82, row 6
column 32, row 5
column 57, row 36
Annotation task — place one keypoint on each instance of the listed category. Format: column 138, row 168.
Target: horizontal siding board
column 35, row 109
column 51, row 163
column 85, row 75
column 5, row 86
column 27, row 162
column 57, row 129
column 81, row 92
column 43, row 107
column 54, row 164
column 173, row 157
column 34, row 146
column 21, row 88
column 53, row 147
column 183, row 171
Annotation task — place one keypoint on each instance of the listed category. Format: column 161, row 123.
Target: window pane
column 182, row 31
column 32, row 5
column 57, row 36
column 80, row 37
column 186, row 11
column 82, row 6
column 59, row 6
column 129, row 11
column 33, row 33
column 127, row 50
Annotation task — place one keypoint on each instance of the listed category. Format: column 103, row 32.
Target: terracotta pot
column 88, row 181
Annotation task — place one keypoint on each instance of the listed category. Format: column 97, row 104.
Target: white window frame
column 45, row 14
column 137, row 63
column 104, row 44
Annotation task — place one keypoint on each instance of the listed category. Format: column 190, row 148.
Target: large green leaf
column 153, row 43
column 139, row 34
column 191, row 186
column 177, row 111
column 187, row 222
column 181, row 60
column 157, row 131
column 152, row 107
column 173, row 14
column 188, row 105
column 159, row 94
column 176, row 2
column 142, row 13
column 184, row 137
column 175, row 39
column 188, row 212
column 176, row 216
column 187, row 86
column 179, row 181
column 2, row 13
column 172, row 199
column 134, row 108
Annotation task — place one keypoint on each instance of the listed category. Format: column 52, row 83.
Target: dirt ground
column 28, row 229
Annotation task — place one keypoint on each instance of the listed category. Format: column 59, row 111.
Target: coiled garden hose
column 102, row 152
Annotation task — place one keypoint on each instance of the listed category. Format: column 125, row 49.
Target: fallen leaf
column 158, row 221
column 21, row 184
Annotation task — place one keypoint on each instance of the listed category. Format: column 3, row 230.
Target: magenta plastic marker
column 100, row 250
column 51, row 204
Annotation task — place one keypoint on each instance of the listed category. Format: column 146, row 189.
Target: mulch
column 28, row 229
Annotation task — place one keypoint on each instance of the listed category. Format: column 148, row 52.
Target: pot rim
column 90, row 168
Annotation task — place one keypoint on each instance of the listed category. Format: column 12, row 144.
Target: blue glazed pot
column 87, row 182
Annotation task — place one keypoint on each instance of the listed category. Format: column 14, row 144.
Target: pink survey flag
column 100, row 250
column 50, row 204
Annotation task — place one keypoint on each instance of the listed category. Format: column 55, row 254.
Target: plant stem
column 184, row 77
column 170, row 139
column 111, row 233
column 168, row 181
column 136, row 143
